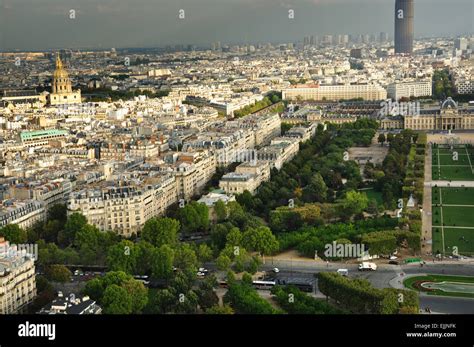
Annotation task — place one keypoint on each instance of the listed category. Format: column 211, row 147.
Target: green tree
column 245, row 300
column 194, row 217
column 58, row 273
column 207, row 297
column 381, row 139
column 13, row 234
column 220, row 209
column 316, row 190
column 74, row 223
column 122, row 257
column 144, row 257
column 261, row 240
column 185, row 258
column 117, row 300
column 225, row 309
column 88, row 242
column 161, row 231
column 204, row 253
column 58, row 212
column 234, row 237
column 247, row 278
column 138, row 293
column 223, row 262
column 353, row 203
column 162, row 262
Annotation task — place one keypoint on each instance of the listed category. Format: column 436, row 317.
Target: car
column 343, row 272
column 201, row 274
column 393, row 257
column 276, row 270
column 204, row 270
column 393, row 262
column 365, row 266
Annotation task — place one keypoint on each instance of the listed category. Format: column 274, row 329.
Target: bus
column 264, row 285
column 304, row 286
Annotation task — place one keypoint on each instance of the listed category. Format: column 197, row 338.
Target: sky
column 47, row 24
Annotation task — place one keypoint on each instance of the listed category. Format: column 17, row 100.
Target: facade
column 51, row 193
column 464, row 85
column 404, row 26
column 400, row 90
column 38, row 138
column 335, row 92
column 62, row 93
column 17, row 281
column 193, row 171
column 237, row 183
column 281, row 150
column 449, row 116
column 124, row 210
column 23, row 213
column 247, row 176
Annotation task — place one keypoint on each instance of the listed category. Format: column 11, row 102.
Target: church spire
column 59, row 63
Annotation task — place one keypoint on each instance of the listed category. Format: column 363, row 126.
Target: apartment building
column 264, row 127
column 50, row 193
column 398, row 90
column 124, row 209
column 280, row 151
column 24, row 213
column 335, row 92
column 464, row 85
column 40, row 138
column 192, row 171
column 17, row 281
column 237, row 183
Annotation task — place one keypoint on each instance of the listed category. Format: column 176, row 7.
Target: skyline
column 113, row 23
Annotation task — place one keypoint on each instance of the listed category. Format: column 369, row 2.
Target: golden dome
column 60, row 72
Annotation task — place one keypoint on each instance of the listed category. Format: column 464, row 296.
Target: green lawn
column 454, row 196
column 414, row 283
column 445, row 165
column 373, row 194
column 452, row 224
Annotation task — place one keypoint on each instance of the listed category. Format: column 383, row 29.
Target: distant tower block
column 404, row 26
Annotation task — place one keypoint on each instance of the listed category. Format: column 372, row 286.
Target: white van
column 343, row 272
column 367, row 267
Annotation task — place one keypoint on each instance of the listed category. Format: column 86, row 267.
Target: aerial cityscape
column 220, row 167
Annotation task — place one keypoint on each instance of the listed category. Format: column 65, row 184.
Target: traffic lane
column 447, row 304
column 308, row 266
column 442, row 269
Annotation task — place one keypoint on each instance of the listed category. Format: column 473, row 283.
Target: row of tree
column 316, row 173
column 358, row 296
column 294, row 301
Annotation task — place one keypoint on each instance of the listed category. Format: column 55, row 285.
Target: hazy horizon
column 45, row 24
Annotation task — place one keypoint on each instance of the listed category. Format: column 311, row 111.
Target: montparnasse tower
column 62, row 92
column 404, row 26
